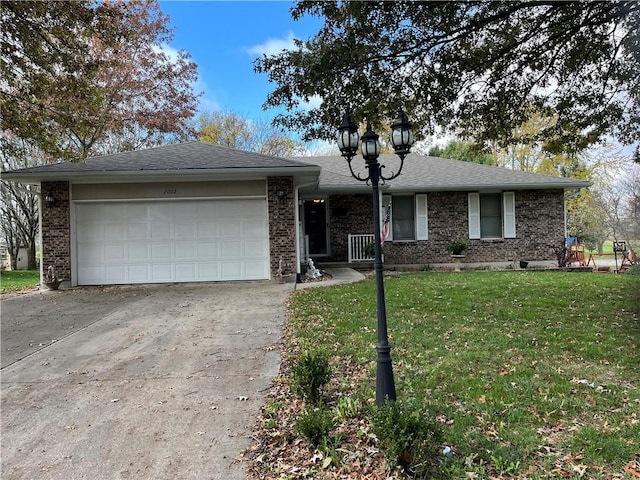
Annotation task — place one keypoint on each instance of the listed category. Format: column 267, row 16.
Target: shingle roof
column 424, row 173
column 191, row 156
column 420, row 173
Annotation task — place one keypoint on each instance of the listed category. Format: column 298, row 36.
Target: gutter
column 91, row 176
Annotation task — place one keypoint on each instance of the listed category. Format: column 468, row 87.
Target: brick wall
column 282, row 232
column 539, row 224
column 56, row 244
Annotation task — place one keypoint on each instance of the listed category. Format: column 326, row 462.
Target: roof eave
column 454, row 187
column 145, row 176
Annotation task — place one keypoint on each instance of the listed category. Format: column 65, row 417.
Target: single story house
column 197, row 212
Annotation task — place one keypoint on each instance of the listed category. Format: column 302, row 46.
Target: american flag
column 385, row 226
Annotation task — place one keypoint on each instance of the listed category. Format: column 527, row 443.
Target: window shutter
column 422, row 221
column 509, row 213
column 386, row 203
column 474, row 215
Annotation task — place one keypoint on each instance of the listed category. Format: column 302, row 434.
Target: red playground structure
column 575, row 253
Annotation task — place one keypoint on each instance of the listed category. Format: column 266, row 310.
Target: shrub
column 408, row 437
column 315, row 425
column 310, row 374
column 634, row 269
column 370, row 250
column 456, row 247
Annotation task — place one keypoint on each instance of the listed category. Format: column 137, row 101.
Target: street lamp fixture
column 401, row 140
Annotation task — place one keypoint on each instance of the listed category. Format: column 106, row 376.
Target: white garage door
column 177, row 241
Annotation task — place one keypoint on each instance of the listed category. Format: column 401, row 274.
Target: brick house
column 501, row 214
column 197, row 212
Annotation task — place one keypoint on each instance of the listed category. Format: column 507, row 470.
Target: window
column 403, row 221
column 492, row 215
column 407, row 216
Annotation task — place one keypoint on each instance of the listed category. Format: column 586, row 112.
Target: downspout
column 569, row 196
column 296, row 199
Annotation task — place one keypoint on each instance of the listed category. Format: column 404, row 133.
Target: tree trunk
column 31, row 257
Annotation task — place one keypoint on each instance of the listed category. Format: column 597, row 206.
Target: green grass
column 530, row 373
column 17, row 280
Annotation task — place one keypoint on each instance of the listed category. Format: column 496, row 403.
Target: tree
column 19, row 205
column 78, row 73
column 475, row 67
column 231, row 130
column 464, row 151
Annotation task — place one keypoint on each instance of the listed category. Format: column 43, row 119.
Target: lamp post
column 401, row 139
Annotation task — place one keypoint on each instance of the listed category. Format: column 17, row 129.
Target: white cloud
column 273, row 46
column 171, row 53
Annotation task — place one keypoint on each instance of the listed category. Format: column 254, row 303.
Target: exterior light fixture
column 401, row 140
column 50, row 201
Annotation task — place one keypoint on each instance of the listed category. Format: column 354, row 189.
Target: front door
column 315, row 226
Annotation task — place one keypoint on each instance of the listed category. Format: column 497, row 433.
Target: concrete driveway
column 144, row 382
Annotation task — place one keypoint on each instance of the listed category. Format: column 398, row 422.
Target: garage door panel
column 231, row 228
column 115, row 252
column 231, row 270
column 161, row 230
column 255, row 249
column 161, row 251
column 257, row 269
column 184, row 230
column 185, row 251
column 208, row 250
column 253, row 227
column 161, row 211
column 111, row 211
column 91, row 254
column 208, row 271
column 138, row 273
column 162, row 272
column 185, row 272
column 115, row 232
column 137, row 231
column 207, row 230
column 138, row 252
column 230, row 250
column 115, row 273
column 190, row 240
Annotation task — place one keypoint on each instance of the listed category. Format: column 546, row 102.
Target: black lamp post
column 401, row 139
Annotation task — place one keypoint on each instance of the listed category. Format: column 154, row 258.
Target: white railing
column 358, row 245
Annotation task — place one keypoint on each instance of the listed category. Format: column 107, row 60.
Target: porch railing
column 358, row 245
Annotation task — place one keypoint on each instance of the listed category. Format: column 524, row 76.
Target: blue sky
column 224, row 37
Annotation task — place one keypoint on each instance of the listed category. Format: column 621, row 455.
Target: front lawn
column 17, row 280
column 529, row 374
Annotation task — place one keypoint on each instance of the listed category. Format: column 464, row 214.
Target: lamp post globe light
column 401, row 139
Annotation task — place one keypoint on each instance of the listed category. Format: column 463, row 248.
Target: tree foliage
column 77, row 73
column 231, row 130
column 478, row 68
column 464, row 151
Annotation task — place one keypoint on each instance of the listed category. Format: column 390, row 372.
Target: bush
column 315, row 424
column 634, row 269
column 310, row 374
column 456, row 247
column 370, row 250
column 408, row 437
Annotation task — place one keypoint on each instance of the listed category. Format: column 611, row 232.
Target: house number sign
column 170, row 191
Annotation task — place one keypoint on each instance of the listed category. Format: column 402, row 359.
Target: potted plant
column 456, row 248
